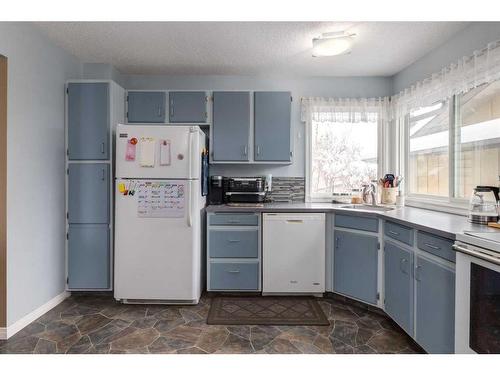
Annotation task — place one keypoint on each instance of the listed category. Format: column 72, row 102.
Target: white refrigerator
column 158, row 214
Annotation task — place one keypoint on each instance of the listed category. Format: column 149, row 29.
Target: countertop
column 439, row 223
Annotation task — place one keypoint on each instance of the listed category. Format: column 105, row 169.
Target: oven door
column 477, row 301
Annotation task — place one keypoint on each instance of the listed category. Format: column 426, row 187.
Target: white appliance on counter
column 293, row 251
column 477, row 298
column 158, row 214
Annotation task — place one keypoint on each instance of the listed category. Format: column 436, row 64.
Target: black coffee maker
column 216, row 190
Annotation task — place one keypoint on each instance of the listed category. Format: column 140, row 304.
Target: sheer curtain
column 483, row 66
column 345, row 110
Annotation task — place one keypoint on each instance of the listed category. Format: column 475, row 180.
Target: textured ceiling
column 248, row 48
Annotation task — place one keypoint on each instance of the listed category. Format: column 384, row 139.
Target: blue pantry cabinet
column 435, row 306
column 88, row 121
column 188, row 107
column 398, row 263
column 88, row 256
column 93, row 108
column 356, row 265
column 272, row 112
column 231, row 126
column 146, row 106
column 88, row 193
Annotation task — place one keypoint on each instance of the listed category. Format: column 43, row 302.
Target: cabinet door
column 88, row 256
column 398, row 264
column 355, row 265
column 435, row 321
column 88, row 121
column 188, row 106
column 88, row 193
column 146, row 106
column 231, row 126
column 272, row 126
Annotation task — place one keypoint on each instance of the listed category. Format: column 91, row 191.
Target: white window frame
column 381, row 160
column 446, row 204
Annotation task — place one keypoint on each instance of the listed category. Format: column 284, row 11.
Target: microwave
column 477, row 296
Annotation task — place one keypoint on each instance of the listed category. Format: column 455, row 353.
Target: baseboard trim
column 11, row 330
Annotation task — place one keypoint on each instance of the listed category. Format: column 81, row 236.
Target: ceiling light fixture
column 332, row 44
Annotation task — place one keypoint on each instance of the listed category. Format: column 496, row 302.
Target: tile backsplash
column 287, row 189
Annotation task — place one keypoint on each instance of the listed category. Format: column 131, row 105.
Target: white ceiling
column 248, row 48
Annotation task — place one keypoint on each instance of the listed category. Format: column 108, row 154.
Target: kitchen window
column 453, row 146
column 341, row 157
column 428, row 164
column 477, row 133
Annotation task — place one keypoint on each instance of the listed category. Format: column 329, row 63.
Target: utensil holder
column 389, row 195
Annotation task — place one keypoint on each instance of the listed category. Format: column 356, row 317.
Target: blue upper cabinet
column 435, row 306
column 188, row 107
column 146, row 106
column 398, row 263
column 272, row 111
column 231, row 126
column 88, row 121
column 355, row 265
column 88, row 193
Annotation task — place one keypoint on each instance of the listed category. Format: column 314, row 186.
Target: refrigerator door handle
column 190, row 153
column 189, row 217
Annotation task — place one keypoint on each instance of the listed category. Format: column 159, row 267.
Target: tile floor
column 95, row 323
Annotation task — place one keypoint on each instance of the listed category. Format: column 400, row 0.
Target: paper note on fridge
column 165, row 152
column 147, row 152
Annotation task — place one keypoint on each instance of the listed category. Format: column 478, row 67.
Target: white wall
column 37, row 71
column 300, row 87
column 102, row 71
column 463, row 43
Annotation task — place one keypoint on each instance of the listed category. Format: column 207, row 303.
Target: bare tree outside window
column 344, row 156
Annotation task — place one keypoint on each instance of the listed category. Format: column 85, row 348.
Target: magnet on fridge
column 130, row 151
column 165, row 158
column 121, row 187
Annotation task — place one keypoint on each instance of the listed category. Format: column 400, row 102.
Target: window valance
column 344, row 110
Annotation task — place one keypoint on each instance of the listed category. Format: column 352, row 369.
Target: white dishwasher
column 293, row 252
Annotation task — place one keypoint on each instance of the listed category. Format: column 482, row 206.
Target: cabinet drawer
column 399, row 232
column 227, row 243
column 442, row 247
column 234, row 276
column 355, row 222
column 234, row 219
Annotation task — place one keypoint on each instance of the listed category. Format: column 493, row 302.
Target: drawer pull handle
column 233, row 241
column 432, row 246
column 296, row 221
column 233, row 221
column 394, row 233
column 234, row 271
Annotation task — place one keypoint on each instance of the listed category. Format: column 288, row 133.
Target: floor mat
column 257, row 310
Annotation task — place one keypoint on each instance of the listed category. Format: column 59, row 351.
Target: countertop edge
column 435, row 227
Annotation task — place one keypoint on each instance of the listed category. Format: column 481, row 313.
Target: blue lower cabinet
column 356, row 265
column 234, row 276
column 233, row 251
column 88, row 256
column 239, row 243
column 435, row 306
column 398, row 263
column 240, row 219
column 399, row 232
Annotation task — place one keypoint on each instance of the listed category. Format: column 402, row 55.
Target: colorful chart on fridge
column 161, row 199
